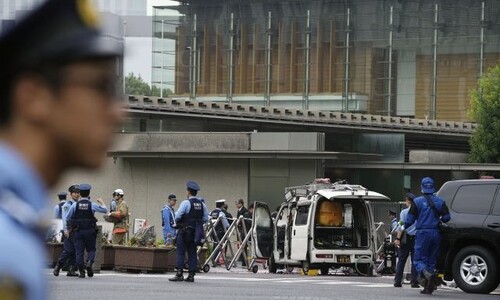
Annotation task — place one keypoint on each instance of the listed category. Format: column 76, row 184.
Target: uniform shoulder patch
column 10, row 288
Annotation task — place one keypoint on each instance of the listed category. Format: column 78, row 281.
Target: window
column 496, row 208
column 474, row 199
column 301, row 215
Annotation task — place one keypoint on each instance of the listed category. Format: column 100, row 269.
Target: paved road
column 236, row 284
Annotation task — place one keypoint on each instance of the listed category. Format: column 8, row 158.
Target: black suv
column 470, row 245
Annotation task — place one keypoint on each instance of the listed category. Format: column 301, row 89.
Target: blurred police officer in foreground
column 68, row 255
column 83, row 223
column 427, row 211
column 57, row 88
column 190, row 217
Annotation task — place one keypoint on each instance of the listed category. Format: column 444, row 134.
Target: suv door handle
column 494, row 225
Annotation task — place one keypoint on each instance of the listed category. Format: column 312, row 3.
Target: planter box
column 54, row 250
column 108, row 257
column 144, row 259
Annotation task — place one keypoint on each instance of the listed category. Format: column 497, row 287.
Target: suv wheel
column 474, row 270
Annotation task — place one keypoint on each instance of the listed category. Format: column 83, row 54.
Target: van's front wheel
column 324, row 270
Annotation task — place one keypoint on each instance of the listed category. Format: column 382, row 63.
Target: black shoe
column 421, row 280
column 177, row 277
column 397, row 284
column 415, row 284
column 425, row 291
column 190, row 277
column 57, row 269
column 82, row 273
column 90, row 271
column 71, row 272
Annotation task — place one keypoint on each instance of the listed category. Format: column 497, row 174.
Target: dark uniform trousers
column 405, row 250
column 185, row 242
column 68, row 254
column 85, row 239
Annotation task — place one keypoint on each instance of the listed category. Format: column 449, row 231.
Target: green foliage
column 485, row 110
column 135, row 85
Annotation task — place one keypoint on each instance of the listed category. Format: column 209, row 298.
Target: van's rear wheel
column 475, row 270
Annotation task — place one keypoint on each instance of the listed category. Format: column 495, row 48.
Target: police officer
column 190, row 217
column 83, row 223
column 58, row 207
column 427, row 211
column 168, row 220
column 394, row 221
column 405, row 249
column 222, row 225
column 53, row 63
column 68, row 255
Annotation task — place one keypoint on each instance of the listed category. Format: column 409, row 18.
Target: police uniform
column 427, row 240
column 190, row 217
column 222, row 225
column 83, row 223
column 57, row 33
column 168, row 221
column 406, row 249
column 68, row 255
column 58, row 207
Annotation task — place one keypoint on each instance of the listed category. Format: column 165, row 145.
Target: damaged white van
column 321, row 225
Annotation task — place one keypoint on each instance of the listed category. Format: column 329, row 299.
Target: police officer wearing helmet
column 190, row 217
column 68, row 255
column 54, row 63
column 427, row 212
column 83, row 223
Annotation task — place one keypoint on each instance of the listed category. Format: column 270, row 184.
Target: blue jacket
column 167, row 221
column 424, row 215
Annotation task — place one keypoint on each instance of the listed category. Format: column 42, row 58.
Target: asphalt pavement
column 240, row 284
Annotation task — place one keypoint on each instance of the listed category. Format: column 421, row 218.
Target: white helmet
column 119, row 192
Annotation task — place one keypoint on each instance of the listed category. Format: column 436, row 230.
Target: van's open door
column 262, row 231
column 300, row 233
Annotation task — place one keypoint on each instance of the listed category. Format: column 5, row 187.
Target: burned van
column 321, row 225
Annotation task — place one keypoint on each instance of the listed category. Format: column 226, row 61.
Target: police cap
column 61, row 195
column 172, row 197
column 410, row 196
column 428, row 185
column 57, row 32
column 74, row 188
column 391, row 213
column 192, row 185
column 85, row 187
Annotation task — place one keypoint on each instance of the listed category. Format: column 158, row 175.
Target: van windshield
column 341, row 223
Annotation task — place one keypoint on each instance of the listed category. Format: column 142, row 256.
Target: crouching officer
column 190, row 217
column 83, row 224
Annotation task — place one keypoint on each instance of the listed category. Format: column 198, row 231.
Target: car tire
column 324, row 271
column 475, row 270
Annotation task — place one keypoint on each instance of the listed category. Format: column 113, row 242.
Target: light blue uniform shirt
column 95, row 208
column 186, row 207
column 168, row 216
column 65, row 211
column 24, row 206
column 412, row 230
column 58, row 211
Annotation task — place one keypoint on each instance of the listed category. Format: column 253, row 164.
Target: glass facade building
column 403, row 58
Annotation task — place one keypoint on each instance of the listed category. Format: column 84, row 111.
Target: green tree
column 485, row 110
column 135, row 85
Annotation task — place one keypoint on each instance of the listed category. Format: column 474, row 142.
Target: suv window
column 474, row 199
